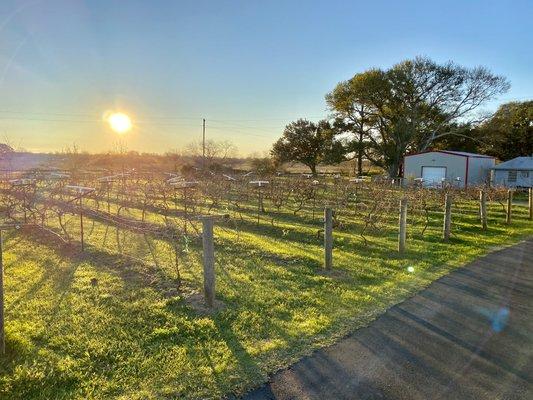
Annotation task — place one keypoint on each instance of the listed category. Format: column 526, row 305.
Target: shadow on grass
column 133, row 272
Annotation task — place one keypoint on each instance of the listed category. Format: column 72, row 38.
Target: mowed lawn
column 99, row 326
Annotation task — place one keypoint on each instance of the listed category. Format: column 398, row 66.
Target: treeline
column 382, row 115
column 218, row 157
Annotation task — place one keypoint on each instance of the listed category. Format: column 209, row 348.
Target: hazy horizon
column 248, row 68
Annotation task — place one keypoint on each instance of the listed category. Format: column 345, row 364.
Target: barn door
column 433, row 176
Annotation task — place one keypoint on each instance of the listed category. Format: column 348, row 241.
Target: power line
column 267, row 119
column 48, row 119
column 47, row 113
column 141, row 122
column 97, row 117
column 263, row 128
column 92, row 115
column 234, row 131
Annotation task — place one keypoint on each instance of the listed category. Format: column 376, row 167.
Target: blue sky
column 248, row 67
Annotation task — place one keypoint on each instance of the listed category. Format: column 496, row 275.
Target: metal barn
column 458, row 168
column 517, row 172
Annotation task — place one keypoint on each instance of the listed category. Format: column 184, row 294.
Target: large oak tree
column 308, row 143
column 408, row 107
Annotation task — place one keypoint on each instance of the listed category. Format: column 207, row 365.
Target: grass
column 99, row 326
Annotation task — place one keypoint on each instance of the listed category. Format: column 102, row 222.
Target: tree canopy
column 309, row 143
column 408, row 107
column 509, row 133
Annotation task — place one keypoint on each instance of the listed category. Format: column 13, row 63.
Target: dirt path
column 469, row 335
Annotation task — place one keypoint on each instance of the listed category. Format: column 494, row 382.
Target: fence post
column 81, row 224
column 509, row 210
column 259, row 204
column 447, row 217
column 483, row 208
column 209, row 260
column 531, row 204
column 328, row 238
column 2, row 326
column 24, row 206
column 261, row 201
column 403, row 226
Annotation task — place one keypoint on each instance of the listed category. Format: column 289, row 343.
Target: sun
column 119, row 122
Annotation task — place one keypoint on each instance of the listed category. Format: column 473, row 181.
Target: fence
column 170, row 218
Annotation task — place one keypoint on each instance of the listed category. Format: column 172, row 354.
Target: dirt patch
column 196, row 301
column 333, row 273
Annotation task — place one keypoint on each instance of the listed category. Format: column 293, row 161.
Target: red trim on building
column 466, row 173
column 453, row 154
column 448, row 152
column 422, row 152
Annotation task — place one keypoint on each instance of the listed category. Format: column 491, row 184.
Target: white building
column 458, row 168
column 517, row 172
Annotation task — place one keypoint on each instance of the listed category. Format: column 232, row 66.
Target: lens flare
column 119, row 122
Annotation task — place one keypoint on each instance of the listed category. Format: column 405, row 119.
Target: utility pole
column 203, row 143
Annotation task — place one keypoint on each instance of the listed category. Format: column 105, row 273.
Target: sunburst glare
column 119, row 122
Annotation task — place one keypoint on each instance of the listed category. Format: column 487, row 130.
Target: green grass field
column 102, row 326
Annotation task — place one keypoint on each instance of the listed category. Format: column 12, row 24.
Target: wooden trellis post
column 209, row 261
column 2, row 319
column 81, row 224
column 209, row 257
column 530, row 204
column 185, row 186
column 2, row 328
column 260, row 206
column 23, row 183
column 483, row 209
column 328, row 238
column 447, row 217
column 403, row 226
column 82, row 191
column 509, row 211
column 24, row 206
column 107, row 181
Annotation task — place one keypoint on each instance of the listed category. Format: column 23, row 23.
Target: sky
column 247, row 67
